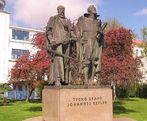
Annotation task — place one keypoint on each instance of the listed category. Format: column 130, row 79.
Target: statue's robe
column 58, row 30
column 87, row 32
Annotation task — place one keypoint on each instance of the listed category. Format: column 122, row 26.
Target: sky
column 132, row 14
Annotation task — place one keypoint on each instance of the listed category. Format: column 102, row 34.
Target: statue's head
column 91, row 9
column 61, row 11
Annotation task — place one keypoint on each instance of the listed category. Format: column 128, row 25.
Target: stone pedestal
column 80, row 104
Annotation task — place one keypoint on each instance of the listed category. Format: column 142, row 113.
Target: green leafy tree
column 113, row 24
column 144, row 45
column 4, row 88
column 144, row 33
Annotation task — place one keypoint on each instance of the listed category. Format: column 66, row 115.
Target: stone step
column 114, row 119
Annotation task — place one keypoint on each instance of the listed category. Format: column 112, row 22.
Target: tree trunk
column 113, row 85
column 29, row 92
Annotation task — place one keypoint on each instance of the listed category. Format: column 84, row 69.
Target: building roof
column 137, row 41
column 26, row 29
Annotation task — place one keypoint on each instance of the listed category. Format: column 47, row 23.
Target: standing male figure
column 58, row 31
column 88, row 31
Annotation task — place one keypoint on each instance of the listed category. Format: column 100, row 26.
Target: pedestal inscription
column 77, row 104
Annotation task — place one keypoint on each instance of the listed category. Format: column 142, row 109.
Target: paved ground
column 34, row 119
column 115, row 119
column 123, row 119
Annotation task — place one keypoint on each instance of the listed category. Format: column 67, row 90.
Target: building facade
column 14, row 42
column 138, row 51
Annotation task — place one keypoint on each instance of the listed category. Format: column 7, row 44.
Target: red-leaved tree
column 119, row 65
column 39, row 41
column 32, row 68
column 23, row 71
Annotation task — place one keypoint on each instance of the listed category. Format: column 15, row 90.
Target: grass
column 135, row 108
column 20, row 110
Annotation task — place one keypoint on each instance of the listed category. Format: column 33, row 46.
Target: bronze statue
column 57, row 37
column 89, row 41
column 90, row 35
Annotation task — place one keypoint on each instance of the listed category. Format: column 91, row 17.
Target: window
column 20, row 35
column 19, row 88
column 14, row 87
column 16, row 53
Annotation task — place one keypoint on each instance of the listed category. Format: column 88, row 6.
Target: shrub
column 122, row 91
column 40, row 87
column 142, row 90
column 3, row 100
column 4, row 88
column 133, row 90
column 125, row 91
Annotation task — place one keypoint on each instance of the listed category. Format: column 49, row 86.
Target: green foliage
column 144, row 45
column 133, row 90
column 4, row 88
column 20, row 110
column 125, row 91
column 144, row 33
column 3, row 100
column 122, row 91
column 113, row 24
column 40, row 87
column 142, row 91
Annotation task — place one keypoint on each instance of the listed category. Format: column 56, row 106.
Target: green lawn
column 135, row 108
column 19, row 110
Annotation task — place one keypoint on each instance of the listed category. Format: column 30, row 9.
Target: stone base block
column 80, row 104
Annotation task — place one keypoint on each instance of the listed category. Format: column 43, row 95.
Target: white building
column 14, row 42
column 144, row 69
column 139, row 52
column 137, row 49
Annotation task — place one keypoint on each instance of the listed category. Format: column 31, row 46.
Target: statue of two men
column 89, row 34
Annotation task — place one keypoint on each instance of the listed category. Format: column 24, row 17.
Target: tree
column 118, row 64
column 31, row 68
column 39, row 41
column 23, row 71
column 3, row 89
column 144, row 46
column 113, row 24
column 144, row 33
